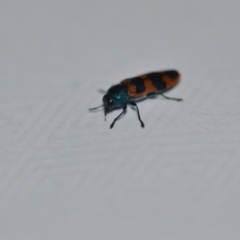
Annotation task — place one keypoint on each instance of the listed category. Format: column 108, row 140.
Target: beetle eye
column 110, row 102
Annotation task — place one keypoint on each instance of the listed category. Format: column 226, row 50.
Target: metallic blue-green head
column 116, row 96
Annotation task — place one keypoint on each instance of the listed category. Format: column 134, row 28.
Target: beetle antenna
column 95, row 108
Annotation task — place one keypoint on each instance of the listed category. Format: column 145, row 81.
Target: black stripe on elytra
column 157, row 80
column 172, row 74
column 139, row 83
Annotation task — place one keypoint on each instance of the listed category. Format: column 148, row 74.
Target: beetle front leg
column 123, row 112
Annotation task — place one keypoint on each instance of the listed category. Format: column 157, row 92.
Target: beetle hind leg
column 170, row 98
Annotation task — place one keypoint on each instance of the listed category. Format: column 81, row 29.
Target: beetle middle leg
column 139, row 118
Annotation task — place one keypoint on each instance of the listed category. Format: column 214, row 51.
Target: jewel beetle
column 131, row 90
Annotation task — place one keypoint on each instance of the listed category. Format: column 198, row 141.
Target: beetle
column 130, row 90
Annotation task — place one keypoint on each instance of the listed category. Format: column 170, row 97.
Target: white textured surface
column 65, row 175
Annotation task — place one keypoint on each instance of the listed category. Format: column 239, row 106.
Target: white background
column 65, row 175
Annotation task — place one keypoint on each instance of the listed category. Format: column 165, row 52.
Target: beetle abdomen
column 151, row 83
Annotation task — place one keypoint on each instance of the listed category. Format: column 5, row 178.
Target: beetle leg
column 169, row 98
column 123, row 112
column 139, row 118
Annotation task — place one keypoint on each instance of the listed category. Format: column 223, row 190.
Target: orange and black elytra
column 130, row 90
